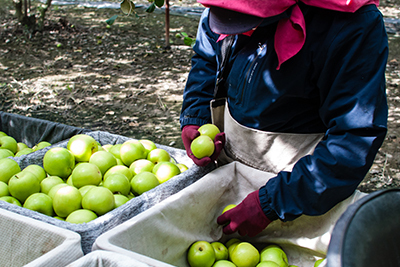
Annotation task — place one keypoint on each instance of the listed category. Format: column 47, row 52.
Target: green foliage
column 186, row 39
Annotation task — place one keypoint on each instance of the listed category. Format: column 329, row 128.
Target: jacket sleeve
column 199, row 88
column 351, row 83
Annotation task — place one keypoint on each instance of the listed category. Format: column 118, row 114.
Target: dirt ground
column 121, row 79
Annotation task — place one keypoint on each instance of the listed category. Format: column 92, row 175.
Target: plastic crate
column 32, row 131
column 29, row 242
column 161, row 235
column 91, row 230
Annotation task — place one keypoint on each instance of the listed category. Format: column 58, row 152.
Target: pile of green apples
column 9, row 147
column 86, row 180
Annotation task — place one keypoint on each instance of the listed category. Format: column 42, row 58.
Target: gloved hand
column 246, row 218
column 189, row 133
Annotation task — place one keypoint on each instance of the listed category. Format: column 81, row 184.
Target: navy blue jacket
column 335, row 85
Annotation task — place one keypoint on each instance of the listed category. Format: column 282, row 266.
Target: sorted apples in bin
column 9, row 147
column 85, row 180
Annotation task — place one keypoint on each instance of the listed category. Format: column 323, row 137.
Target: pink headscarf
column 291, row 32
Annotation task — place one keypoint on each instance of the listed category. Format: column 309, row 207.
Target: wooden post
column 167, row 45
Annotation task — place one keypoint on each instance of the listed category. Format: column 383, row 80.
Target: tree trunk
column 167, row 45
column 43, row 11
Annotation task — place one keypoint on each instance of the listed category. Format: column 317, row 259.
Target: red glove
column 189, row 133
column 246, row 218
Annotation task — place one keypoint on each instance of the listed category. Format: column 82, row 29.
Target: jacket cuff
column 265, row 203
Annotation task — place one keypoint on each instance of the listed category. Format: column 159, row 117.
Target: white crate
column 102, row 258
column 29, row 242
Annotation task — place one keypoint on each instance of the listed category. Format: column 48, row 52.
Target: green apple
column 21, row 145
column 66, row 200
column 221, row 252
column 143, row 182
column 81, row 216
column 116, row 150
column 11, row 200
column 202, row 146
column 223, row 263
column 132, row 150
column 104, row 160
column 5, row 153
column 36, row 170
column 59, row 218
column 245, row 255
column 23, row 184
column 141, row 165
column 86, row 173
column 24, row 151
column 47, row 183
column 8, row 168
column 182, row 167
column 99, row 199
column 318, row 262
column 119, row 169
column 232, row 241
column 107, row 147
column 158, row 155
column 9, row 143
column 3, row 134
column 274, row 253
column 40, row 145
column 209, row 129
column 165, row 170
column 55, row 188
column 85, row 188
column 228, row 207
column 148, row 145
column 120, row 200
column 267, row 264
column 4, row 189
column 40, row 202
column 82, row 146
column 118, row 183
column 59, row 161
column 201, row 254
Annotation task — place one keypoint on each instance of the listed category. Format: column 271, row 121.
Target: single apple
column 231, row 247
column 132, row 150
column 82, row 146
column 232, row 241
column 66, row 200
column 148, row 145
column 21, row 145
column 228, row 207
column 81, row 216
column 116, row 150
column 36, row 170
column 40, row 145
column 86, row 173
column 22, row 185
column 221, row 252
column 143, row 182
column 3, row 134
column 267, row 264
column 85, row 188
column 245, row 255
column 24, row 151
column 40, row 202
column 99, row 199
column 9, row 143
column 4, row 189
column 223, row 263
column 104, row 160
column 201, row 254
column 182, row 167
column 209, row 129
column 118, row 183
column 47, row 183
column 119, row 169
column 158, row 155
column 202, row 146
column 11, row 200
column 8, row 168
column 55, row 188
column 120, row 200
column 274, row 253
column 141, row 165
column 165, row 170
column 59, row 161
column 107, row 147
column 5, row 153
